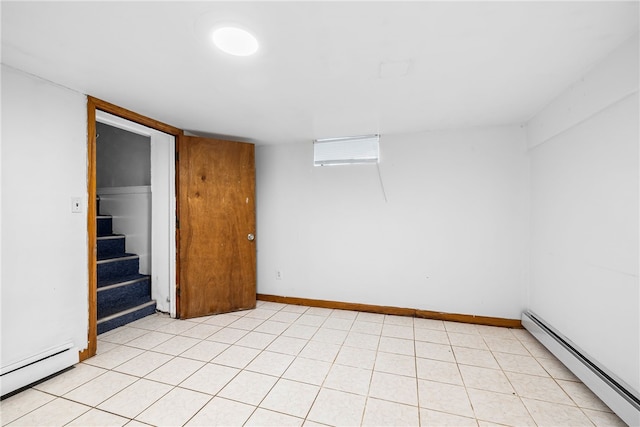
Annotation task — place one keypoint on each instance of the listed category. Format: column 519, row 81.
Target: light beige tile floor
column 281, row 365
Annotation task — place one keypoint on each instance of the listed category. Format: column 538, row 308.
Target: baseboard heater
column 37, row 367
column 614, row 392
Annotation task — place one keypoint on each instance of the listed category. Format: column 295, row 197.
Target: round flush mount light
column 235, row 41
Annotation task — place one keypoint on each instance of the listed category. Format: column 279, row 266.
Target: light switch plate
column 76, row 204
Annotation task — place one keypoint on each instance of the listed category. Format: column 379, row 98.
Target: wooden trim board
column 92, row 333
column 397, row 311
column 133, row 117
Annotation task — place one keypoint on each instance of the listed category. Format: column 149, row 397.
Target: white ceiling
column 318, row 71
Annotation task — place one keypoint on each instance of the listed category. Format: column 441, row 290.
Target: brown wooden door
column 216, row 214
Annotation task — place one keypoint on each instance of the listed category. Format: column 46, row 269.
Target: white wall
column 452, row 235
column 131, row 210
column 584, row 168
column 123, row 158
column 44, row 244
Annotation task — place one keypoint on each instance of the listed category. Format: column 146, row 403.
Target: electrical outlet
column 76, row 204
column 278, row 275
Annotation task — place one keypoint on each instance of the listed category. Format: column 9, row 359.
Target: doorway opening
column 123, row 188
column 135, row 180
column 160, row 223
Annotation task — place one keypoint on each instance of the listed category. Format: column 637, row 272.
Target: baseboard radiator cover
column 37, row 367
column 614, row 392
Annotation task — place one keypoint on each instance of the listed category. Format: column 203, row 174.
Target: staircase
column 124, row 295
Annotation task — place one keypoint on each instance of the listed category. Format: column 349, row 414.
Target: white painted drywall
column 123, row 158
column 452, row 234
column 163, row 221
column 606, row 83
column 130, row 208
column 44, row 245
column 584, row 233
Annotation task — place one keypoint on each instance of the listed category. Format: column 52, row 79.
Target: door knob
column 251, row 237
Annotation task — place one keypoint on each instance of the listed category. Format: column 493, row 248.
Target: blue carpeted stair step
column 111, row 268
column 112, row 245
column 104, row 225
column 113, row 281
column 122, row 318
column 123, row 295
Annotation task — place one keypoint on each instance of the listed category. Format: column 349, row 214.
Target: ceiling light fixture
column 235, row 41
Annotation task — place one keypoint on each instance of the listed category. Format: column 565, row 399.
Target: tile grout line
column 491, row 342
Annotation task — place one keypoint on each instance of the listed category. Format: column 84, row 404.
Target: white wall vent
column 346, row 150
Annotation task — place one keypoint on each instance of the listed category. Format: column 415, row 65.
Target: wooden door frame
column 94, row 104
